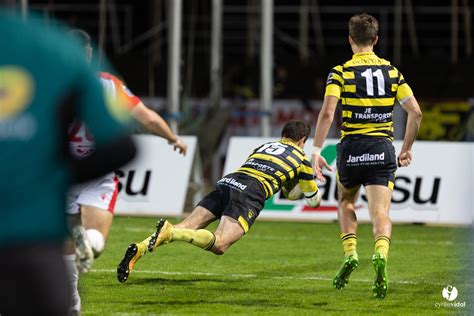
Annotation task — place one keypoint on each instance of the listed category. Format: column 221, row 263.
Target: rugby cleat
column 132, row 255
column 380, row 286
column 161, row 236
column 342, row 277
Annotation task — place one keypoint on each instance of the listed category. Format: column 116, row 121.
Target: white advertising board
column 156, row 182
column 437, row 188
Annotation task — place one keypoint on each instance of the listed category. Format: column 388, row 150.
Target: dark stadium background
column 431, row 73
column 440, row 82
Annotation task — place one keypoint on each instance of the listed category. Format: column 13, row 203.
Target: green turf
column 278, row 269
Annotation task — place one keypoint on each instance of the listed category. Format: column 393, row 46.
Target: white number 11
column 369, row 80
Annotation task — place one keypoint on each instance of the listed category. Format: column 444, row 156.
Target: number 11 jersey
column 367, row 87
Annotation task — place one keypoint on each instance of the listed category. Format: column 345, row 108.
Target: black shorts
column 236, row 195
column 366, row 161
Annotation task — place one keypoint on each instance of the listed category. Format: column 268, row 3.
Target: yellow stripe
column 298, row 154
column 333, row 90
column 338, row 68
column 244, row 224
column 263, row 181
column 281, row 175
column 394, row 87
column 347, row 114
column 337, row 78
column 367, row 125
column 343, row 134
column 348, row 75
column 391, row 185
column 273, row 159
column 293, row 161
column 368, row 102
column 393, row 73
column 259, row 173
column 404, row 91
column 360, row 61
column 349, row 88
column 367, row 131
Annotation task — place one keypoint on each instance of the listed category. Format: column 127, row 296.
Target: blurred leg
column 97, row 223
column 35, row 281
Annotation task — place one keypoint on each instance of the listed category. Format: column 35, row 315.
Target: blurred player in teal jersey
column 91, row 205
column 44, row 83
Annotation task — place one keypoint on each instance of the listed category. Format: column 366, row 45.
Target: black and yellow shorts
column 366, row 161
column 238, row 196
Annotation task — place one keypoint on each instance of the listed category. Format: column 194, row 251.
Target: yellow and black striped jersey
column 367, row 87
column 274, row 163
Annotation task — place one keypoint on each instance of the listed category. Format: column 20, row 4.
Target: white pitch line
column 252, row 276
column 307, row 238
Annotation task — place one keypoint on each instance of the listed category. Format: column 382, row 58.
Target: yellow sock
column 201, row 238
column 143, row 246
column 382, row 244
column 349, row 243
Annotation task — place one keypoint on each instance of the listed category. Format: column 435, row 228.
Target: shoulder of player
column 109, row 76
column 337, row 69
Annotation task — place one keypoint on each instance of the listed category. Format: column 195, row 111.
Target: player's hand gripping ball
column 292, row 190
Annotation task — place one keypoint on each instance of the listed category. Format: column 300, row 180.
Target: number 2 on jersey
column 369, row 80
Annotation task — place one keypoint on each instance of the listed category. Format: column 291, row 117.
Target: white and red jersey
column 81, row 141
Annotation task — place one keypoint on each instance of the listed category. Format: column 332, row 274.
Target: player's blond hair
column 363, row 29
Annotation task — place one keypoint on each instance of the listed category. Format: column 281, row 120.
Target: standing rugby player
column 367, row 87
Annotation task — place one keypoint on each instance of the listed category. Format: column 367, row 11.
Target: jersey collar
column 361, row 55
column 292, row 144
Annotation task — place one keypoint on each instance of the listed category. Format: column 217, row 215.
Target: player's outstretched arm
column 326, row 116
column 413, row 125
column 153, row 122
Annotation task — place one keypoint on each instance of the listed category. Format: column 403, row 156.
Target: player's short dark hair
column 296, row 130
column 81, row 36
column 363, row 29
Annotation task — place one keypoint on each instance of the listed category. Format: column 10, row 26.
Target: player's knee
column 218, row 251
column 381, row 222
column 219, row 248
column 347, row 206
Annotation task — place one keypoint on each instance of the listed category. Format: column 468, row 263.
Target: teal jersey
column 42, row 71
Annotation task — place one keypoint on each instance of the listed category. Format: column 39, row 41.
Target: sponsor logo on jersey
column 372, row 116
column 258, row 166
column 16, row 92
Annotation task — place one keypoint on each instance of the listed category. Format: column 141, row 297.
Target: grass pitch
column 279, row 268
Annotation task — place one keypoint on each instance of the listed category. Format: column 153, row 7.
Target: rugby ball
column 292, row 190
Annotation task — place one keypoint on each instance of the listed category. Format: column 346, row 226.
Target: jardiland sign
column 429, row 191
